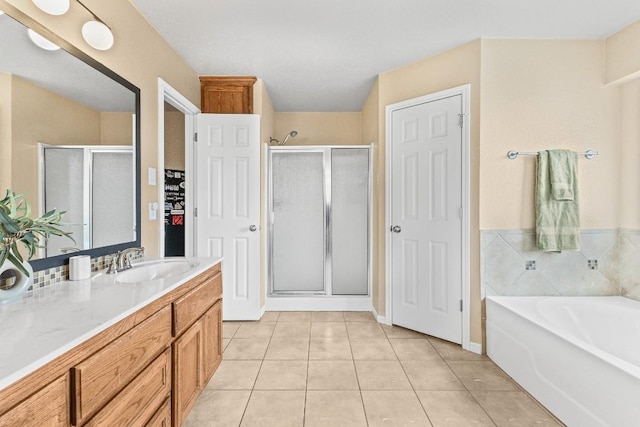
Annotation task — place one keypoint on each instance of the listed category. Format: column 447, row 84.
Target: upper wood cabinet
column 227, row 94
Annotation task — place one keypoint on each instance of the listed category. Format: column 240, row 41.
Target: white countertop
column 49, row 321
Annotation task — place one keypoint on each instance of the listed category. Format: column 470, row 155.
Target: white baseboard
column 380, row 319
column 318, row 304
column 474, row 347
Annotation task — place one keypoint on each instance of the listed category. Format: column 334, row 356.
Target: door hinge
column 460, row 305
column 461, row 119
column 195, row 137
column 460, row 213
column 195, row 212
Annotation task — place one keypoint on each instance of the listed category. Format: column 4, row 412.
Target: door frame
column 465, row 92
column 166, row 93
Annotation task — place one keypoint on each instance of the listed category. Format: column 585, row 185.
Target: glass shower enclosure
column 95, row 185
column 319, row 221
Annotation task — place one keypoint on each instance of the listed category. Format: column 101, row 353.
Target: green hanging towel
column 557, row 210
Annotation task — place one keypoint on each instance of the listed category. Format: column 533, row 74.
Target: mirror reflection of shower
column 291, row 134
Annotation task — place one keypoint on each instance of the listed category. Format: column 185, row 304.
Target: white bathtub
column 579, row 356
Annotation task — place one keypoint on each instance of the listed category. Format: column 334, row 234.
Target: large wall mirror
column 69, row 139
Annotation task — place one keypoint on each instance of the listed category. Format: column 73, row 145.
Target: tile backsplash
column 608, row 263
column 53, row 275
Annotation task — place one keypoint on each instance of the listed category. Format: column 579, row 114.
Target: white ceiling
column 324, row 55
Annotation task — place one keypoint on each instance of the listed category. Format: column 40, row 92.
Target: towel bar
column 589, row 154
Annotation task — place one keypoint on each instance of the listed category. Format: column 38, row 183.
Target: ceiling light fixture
column 40, row 41
column 96, row 33
column 52, row 7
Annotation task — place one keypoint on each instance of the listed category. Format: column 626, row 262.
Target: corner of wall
column 621, row 60
column 262, row 105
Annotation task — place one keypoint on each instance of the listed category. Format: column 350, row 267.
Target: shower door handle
column 396, row 229
column 252, row 227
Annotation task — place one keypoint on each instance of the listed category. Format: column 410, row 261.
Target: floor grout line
column 389, row 339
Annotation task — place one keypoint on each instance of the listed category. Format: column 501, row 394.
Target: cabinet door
column 187, row 370
column 46, row 408
column 227, row 94
column 212, row 333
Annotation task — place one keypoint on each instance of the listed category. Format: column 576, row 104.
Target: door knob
column 252, row 227
column 396, row 229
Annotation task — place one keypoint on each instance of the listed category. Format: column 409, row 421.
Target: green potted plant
column 17, row 229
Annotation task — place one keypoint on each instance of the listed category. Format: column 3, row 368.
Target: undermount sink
column 154, row 270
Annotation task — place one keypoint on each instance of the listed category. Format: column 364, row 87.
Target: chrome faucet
column 122, row 260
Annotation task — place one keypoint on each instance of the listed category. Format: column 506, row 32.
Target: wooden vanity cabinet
column 227, row 94
column 148, row 369
column 187, row 368
column 197, row 351
column 141, row 398
column 162, row 417
column 98, row 378
column 212, row 335
column 49, row 407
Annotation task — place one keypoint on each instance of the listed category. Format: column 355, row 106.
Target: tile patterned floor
column 337, row 369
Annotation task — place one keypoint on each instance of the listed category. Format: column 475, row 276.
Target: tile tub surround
column 506, row 253
column 330, row 374
column 629, row 263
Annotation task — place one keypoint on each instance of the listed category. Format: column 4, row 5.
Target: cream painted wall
column 543, row 94
column 533, row 94
column 116, row 128
column 140, row 55
column 5, row 132
column 319, row 128
column 623, row 61
column 174, row 131
column 449, row 69
column 262, row 105
column 61, row 121
column 623, row 71
column 629, row 156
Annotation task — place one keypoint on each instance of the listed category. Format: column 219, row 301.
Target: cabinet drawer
column 47, row 407
column 189, row 307
column 101, row 376
column 162, row 417
column 138, row 402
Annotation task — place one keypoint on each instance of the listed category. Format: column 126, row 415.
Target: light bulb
column 97, row 35
column 52, row 7
column 40, row 41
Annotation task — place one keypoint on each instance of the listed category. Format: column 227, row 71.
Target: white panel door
column 426, row 258
column 228, row 202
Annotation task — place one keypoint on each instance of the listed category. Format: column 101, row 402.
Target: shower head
column 291, row 134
